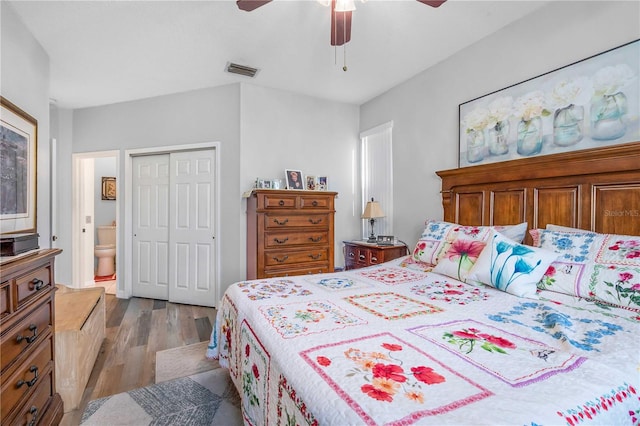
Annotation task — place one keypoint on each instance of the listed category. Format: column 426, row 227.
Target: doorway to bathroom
column 94, row 213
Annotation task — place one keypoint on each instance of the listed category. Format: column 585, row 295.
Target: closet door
column 192, row 221
column 150, row 226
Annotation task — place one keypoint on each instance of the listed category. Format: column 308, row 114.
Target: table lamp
column 372, row 211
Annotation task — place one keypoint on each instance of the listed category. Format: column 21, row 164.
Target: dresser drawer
column 316, row 201
column 285, row 239
column 30, row 373
column 289, row 257
column 28, row 285
column 278, row 201
column 5, row 299
column 33, row 410
column 320, row 221
column 315, row 269
column 25, row 334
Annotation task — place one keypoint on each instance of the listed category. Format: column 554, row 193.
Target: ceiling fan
column 341, row 11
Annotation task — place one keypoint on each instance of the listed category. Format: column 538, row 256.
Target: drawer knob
column 36, row 284
column 315, row 221
column 361, row 257
column 32, row 328
column 351, row 254
column 279, row 241
column 33, row 369
column 34, row 415
column 284, row 222
column 374, row 259
column 280, row 259
column 315, row 256
column 314, row 203
column 281, row 203
column 315, row 239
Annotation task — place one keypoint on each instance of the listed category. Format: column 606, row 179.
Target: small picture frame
column 108, row 188
column 322, row 183
column 263, row 184
column 311, row 183
column 295, row 180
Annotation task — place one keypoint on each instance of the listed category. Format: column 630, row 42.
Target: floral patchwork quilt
column 397, row 344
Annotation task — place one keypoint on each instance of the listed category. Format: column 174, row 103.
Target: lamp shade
column 372, row 210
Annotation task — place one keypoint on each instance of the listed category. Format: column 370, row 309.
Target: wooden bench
column 79, row 333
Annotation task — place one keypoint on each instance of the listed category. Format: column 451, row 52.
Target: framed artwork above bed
column 589, row 104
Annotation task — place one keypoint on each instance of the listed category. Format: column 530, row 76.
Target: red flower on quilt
column 255, row 371
column 498, row 341
column 390, row 371
column 427, row 375
column 323, row 361
column 392, row 347
column 247, row 350
column 376, row 393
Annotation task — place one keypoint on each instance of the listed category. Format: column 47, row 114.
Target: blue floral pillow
column 510, row 266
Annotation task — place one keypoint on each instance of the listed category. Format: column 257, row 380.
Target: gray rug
column 208, row 398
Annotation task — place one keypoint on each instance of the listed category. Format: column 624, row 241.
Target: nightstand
column 359, row 254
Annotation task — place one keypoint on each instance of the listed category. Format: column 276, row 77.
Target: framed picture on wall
column 18, row 162
column 108, row 188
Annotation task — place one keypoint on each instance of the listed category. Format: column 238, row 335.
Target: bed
column 473, row 327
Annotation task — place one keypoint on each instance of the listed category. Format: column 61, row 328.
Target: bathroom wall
column 103, row 210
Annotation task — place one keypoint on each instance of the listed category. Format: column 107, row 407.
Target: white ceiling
column 103, row 52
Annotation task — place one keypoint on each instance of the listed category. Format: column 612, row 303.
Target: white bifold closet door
column 173, row 227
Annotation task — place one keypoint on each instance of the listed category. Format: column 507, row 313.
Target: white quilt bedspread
column 394, row 344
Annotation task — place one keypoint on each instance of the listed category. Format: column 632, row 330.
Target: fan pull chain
column 344, row 46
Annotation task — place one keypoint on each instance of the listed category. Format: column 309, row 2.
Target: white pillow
column 460, row 257
column 552, row 227
column 512, row 267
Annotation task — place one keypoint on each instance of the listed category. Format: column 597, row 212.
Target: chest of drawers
column 358, row 254
column 289, row 233
column 27, row 369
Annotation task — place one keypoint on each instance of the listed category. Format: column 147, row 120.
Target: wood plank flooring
column 136, row 329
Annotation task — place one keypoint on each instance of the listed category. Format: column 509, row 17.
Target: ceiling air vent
column 241, row 69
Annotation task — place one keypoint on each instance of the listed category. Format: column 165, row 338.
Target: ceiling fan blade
column 249, row 5
column 432, row 3
column 340, row 26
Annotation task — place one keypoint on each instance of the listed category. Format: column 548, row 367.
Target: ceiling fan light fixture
column 345, row 6
column 245, row 70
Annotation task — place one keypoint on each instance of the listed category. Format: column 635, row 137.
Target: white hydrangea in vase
column 500, row 111
column 530, row 108
column 568, row 98
column 475, row 122
column 609, row 104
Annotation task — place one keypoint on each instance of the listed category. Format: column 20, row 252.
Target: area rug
column 183, row 361
column 104, row 278
column 208, row 398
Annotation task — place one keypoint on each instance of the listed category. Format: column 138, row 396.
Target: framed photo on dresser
column 295, row 180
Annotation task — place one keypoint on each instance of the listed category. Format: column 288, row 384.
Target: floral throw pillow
column 438, row 236
column 605, row 267
column 510, row 266
column 460, row 258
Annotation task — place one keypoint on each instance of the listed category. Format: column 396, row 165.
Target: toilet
column 105, row 250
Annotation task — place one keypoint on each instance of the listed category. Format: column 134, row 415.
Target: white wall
column 284, row 130
column 25, row 82
column 207, row 115
column 425, row 108
column 104, row 211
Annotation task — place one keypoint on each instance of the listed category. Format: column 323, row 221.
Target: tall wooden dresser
column 289, row 232
column 27, row 293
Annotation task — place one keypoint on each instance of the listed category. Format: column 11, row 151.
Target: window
column 377, row 176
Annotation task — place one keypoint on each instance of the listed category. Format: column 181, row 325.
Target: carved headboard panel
column 597, row 190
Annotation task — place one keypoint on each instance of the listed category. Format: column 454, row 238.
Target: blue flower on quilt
column 564, row 243
column 560, row 326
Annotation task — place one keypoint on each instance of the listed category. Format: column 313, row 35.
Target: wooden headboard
column 597, row 190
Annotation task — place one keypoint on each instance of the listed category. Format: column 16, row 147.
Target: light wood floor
column 136, row 329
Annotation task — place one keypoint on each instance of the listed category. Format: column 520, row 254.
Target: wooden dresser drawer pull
column 33, row 369
column 315, row 222
column 36, row 284
column 281, row 241
column 284, row 222
column 315, row 239
column 361, row 257
column 315, row 256
column 351, row 254
column 34, row 415
column 281, row 203
column 32, row 328
column 374, row 259
column 281, row 259
column 314, row 203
